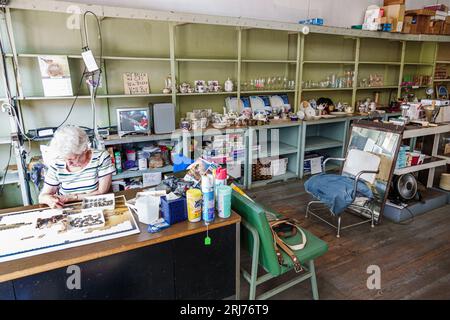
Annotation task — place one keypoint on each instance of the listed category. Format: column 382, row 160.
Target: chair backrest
column 358, row 160
column 255, row 216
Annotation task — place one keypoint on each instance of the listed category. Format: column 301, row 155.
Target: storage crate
column 261, row 171
column 278, row 167
column 307, row 162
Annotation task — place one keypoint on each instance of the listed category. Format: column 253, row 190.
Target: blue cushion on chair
column 335, row 191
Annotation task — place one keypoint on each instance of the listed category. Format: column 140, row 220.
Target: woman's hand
column 53, row 201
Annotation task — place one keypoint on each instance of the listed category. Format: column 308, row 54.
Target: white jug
column 228, row 85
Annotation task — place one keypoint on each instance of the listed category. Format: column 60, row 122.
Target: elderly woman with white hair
column 78, row 171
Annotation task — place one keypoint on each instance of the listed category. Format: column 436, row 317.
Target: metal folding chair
column 363, row 166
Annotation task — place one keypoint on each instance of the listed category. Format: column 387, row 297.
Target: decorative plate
column 233, row 104
column 276, row 102
column 257, row 103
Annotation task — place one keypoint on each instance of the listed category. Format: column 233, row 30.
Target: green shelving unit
column 326, row 137
column 193, row 47
column 274, row 140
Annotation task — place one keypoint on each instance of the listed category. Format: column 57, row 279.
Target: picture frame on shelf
column 441, row 92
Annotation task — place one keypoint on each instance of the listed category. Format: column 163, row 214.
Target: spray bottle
column 208, row 198
column 219, row 180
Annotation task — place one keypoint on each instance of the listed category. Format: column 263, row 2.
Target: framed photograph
column 441, row 92
column 136, row 83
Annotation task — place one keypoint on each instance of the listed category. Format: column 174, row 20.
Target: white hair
column 69, row 140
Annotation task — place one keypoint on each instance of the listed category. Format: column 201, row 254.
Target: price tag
column 135, row 83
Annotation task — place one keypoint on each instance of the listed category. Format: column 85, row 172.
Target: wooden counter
column 24, row 267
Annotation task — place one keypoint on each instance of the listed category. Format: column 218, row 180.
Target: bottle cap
column 221, row 173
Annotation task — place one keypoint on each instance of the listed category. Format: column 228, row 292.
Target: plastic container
column 194, row 205
column 147, row 208
column 208, row 198
column 224, row 201
column 142, row 160
column 131, row 155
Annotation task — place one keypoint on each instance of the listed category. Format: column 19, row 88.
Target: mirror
column 384, row 141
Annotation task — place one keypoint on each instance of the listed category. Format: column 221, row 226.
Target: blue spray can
column 208, row 198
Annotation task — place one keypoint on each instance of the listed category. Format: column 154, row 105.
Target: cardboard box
column 384, row 20
column 391, row 2
column 407, row 24
column 424, row 12
column 395, row 12
column 434, row 27
column 436, row 7
column 417, row 21
column 438, row 18
column 446, row 27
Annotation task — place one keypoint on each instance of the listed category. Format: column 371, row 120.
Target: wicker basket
column 261, row 171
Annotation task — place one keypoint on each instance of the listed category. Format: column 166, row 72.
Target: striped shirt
column 83, row 181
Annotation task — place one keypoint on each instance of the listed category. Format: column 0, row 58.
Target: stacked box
column 440, row 72
column 417, row 21
column 391, row 2
column 446, row 26
column 395, row 13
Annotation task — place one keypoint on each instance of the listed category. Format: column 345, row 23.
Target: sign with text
column 135, row 83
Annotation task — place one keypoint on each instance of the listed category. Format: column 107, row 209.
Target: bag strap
column 288, row 249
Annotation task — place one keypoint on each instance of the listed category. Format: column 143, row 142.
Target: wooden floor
column 414, row 258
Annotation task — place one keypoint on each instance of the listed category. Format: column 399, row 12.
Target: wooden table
column 171, row 251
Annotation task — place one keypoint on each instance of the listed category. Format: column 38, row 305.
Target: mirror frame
column 386, row 127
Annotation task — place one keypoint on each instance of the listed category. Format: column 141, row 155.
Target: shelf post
column 436, row 49
column 356, row 70
column 434, row 153
column 299, row 81
column 297, row 71
column 10, row 35
column 172, row 67
column 402, row 66
column 239, row 56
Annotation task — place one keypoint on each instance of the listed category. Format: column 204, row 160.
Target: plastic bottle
column 208, row 198
column 220, row 179
column 224, row 201
column 131, row 155
column 142, row 161
column 118, row 161
column 194, row 205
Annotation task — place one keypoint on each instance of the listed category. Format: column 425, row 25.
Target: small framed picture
column 441, row 92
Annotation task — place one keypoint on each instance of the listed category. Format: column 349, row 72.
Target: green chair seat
column 315, row 247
